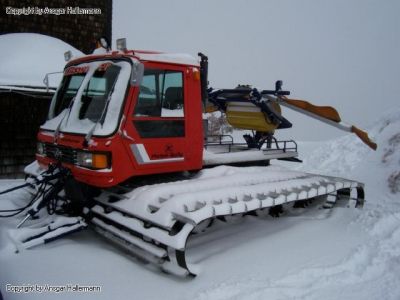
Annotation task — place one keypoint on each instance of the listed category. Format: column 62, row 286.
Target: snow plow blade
column 45, row 231
column 155, row 222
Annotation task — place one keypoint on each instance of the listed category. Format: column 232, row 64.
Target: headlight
column 92, row 160
column 40, row 148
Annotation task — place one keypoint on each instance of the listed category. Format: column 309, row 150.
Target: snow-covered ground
column 345, row 253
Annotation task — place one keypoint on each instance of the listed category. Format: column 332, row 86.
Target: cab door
column 159, row 121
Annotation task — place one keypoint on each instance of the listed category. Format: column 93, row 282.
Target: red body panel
column 132, row 155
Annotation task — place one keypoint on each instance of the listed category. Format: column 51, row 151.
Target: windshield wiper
column 57, row 131
column 89, row 135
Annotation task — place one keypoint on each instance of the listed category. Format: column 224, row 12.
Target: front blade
column 45, row 231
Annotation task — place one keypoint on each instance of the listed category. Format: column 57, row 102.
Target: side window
column 149, row 102
column 161, row 94
column 172, row 92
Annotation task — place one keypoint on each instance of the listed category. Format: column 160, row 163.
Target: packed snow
column 344, row 253
column 26, row 58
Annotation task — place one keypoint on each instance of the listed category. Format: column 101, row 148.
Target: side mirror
column 137, row 73
column 46, row 80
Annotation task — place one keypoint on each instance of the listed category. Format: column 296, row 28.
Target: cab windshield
column 88, row 94
column 68, row 90
column 99, row 89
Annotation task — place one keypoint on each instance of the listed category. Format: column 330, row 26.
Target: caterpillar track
column 154, row 222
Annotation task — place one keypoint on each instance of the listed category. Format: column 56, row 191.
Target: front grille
column 60, row 153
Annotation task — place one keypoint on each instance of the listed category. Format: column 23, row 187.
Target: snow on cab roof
column 176, row 58
column 25, row 58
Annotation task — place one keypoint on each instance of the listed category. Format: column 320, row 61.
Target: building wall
column 77, row 30
column 20, row 117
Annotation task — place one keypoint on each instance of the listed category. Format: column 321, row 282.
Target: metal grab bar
column 283, row 145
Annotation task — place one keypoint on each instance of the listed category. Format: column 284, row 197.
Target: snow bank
column 25, row 59
column 348, row 156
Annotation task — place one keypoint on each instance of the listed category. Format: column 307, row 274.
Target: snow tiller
column 126, row 151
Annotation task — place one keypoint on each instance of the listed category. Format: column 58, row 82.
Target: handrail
column 286, row 145
column 283, row 145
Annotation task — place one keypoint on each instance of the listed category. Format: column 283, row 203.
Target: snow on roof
column 26, row 58
column 176, row 58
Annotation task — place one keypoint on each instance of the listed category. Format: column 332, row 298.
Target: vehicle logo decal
column 142, row 157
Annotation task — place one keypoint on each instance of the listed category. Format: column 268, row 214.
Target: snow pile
column 391, row 151
column 347, row 156
column 26, row 58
